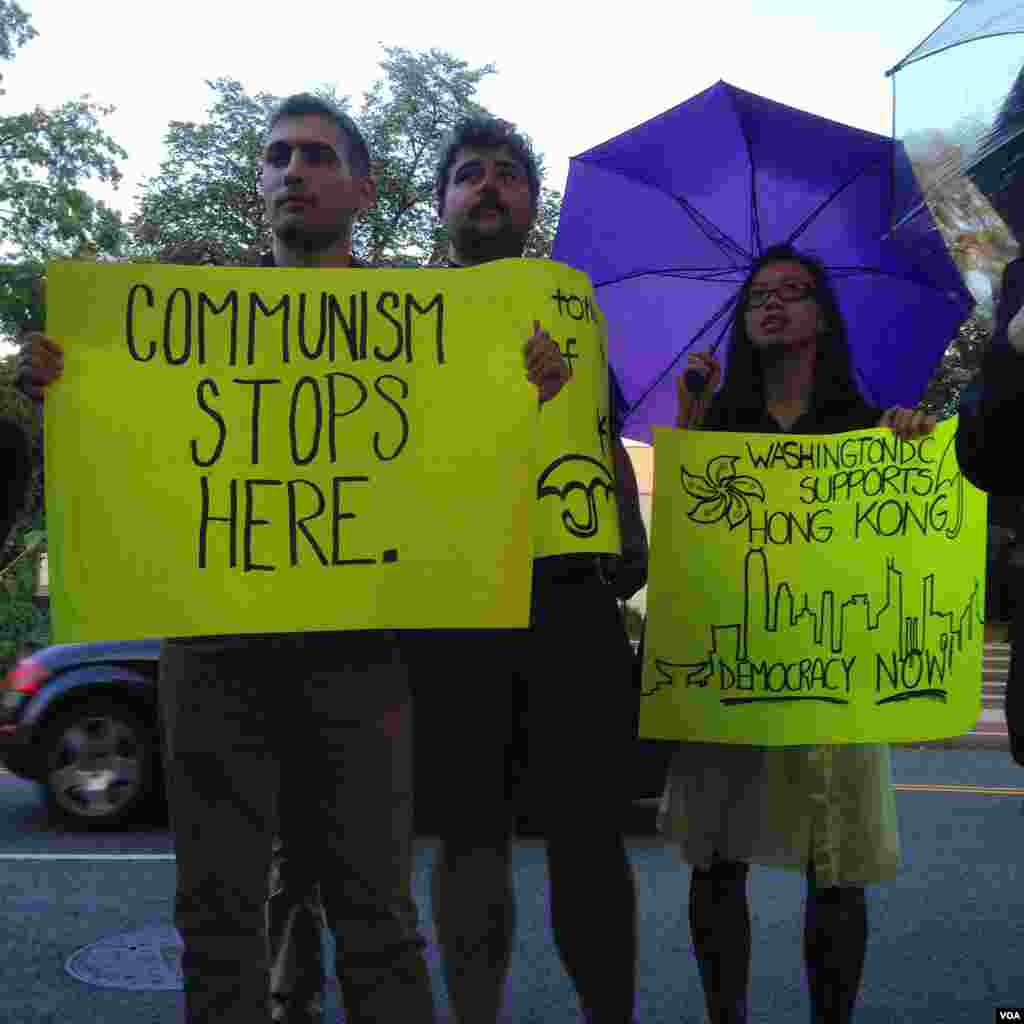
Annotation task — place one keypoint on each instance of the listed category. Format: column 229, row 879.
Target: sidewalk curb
column 972, row 741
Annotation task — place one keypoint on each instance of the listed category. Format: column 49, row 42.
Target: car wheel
column 101, row 764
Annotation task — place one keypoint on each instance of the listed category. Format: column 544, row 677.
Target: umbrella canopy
column 958, row 110
column 668, row 218
column 973, row 19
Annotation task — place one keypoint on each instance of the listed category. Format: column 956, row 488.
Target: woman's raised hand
column 692, row 408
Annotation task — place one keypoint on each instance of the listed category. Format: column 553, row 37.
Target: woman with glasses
column 826, row 810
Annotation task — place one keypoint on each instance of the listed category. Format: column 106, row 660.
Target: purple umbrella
column 668, row 218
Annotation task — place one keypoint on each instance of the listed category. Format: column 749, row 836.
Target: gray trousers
column 308, row 735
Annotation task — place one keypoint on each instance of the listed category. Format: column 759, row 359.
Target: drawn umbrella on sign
column 668, row 218
column 575, row 476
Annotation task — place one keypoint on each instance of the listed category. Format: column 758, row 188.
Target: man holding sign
column 330, row 759
column 568, row 679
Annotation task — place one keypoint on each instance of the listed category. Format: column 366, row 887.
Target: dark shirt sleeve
column 835, row 418
column 992, row 405
column 628, row 571
column 715, row 418
column 872, row 415
column 618, row 407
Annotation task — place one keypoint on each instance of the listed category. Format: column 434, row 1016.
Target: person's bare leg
column 474, row 913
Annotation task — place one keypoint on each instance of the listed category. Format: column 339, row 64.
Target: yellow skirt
column 830, row 806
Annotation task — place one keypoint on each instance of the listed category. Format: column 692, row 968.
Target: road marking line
column 89, row 856
column 906, row 787
column 929, row 787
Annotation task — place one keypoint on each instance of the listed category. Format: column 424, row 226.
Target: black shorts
column 540, row 723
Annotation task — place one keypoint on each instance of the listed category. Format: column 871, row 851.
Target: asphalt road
column 947, row 943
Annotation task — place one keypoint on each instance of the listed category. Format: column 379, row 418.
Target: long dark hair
column 742, row 395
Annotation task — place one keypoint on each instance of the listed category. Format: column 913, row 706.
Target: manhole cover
column 148, row 960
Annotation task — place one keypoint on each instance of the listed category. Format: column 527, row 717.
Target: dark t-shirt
column 835, row 417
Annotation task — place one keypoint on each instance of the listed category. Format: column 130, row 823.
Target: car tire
column 101, row 764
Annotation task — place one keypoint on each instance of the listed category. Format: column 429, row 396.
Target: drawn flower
column 720, row 493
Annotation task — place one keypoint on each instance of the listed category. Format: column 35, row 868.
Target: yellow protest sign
column 824, row 589
column 577, row 509
column 241, row 450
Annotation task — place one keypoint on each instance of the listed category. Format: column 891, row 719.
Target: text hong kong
column 893, row 487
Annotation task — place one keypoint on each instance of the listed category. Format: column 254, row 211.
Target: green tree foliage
column 16, row 408
column 204, row 205
column 21, row 621
column 405, row 118
column 977, row 239
column 960, row 362
column 15, row 29
column 46, row 157
column 542, row 238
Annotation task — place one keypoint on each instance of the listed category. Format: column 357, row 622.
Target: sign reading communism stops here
column 812, row 590
column 242, row 450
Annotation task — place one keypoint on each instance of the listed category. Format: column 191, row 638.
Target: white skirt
column 830, row 806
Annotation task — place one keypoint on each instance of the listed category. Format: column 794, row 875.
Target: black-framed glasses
column 789, row 291
column 316, row 154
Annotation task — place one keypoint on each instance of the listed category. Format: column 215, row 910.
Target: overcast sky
column 571, row 74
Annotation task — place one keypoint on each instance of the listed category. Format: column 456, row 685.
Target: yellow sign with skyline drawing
column 803, row 590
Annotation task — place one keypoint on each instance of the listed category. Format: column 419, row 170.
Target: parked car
column 82, row 720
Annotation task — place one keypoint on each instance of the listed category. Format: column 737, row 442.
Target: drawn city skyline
column 910, row 632
column 828, row 623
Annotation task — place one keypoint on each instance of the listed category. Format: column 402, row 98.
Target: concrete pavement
column 947, row 939
column 946, row 946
